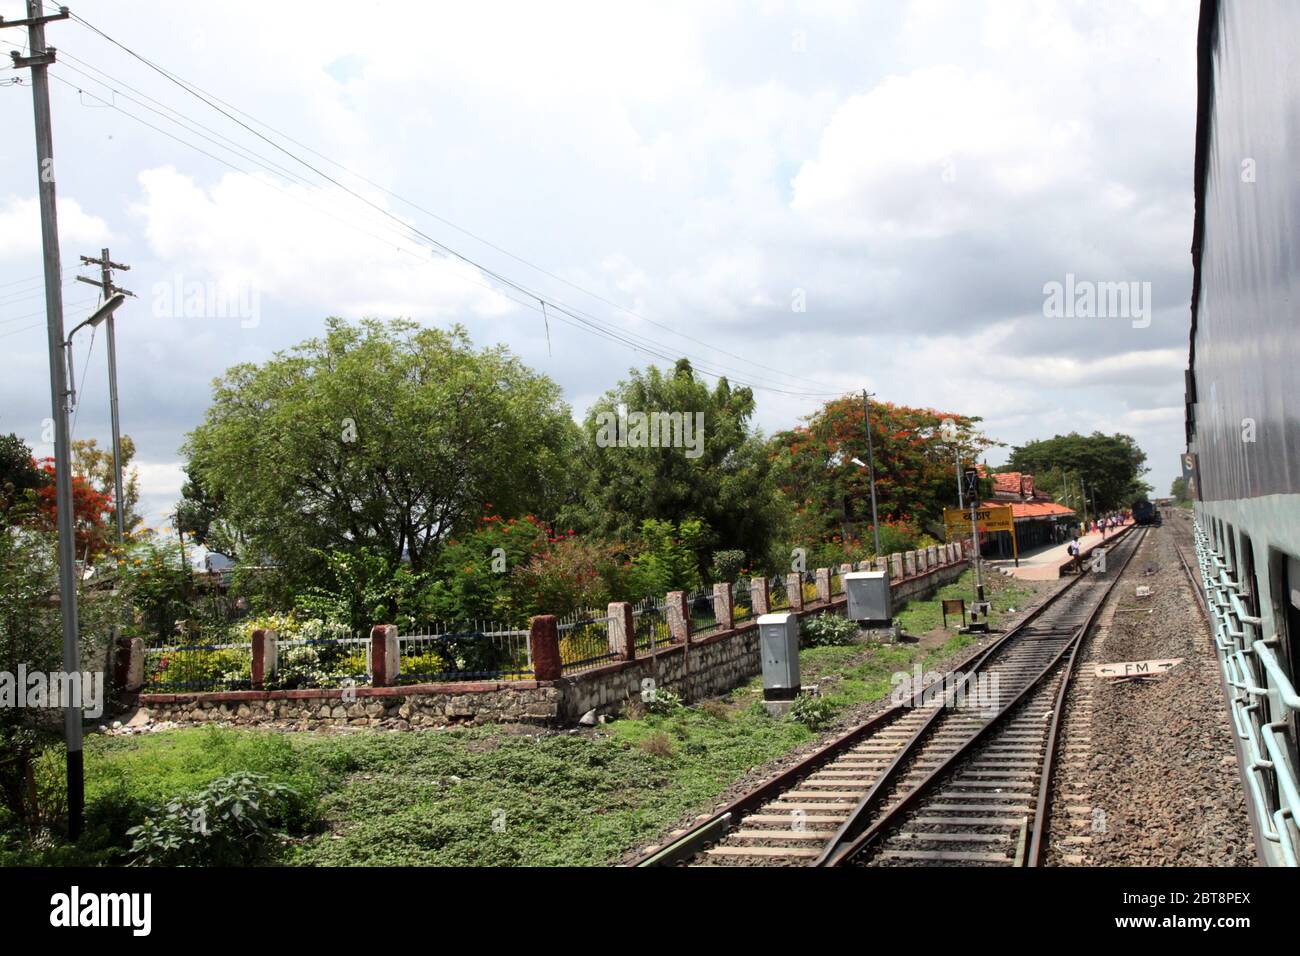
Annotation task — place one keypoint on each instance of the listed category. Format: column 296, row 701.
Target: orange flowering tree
column 92, row 512
column 829, row 497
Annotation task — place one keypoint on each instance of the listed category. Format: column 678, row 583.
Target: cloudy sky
column 811, row 197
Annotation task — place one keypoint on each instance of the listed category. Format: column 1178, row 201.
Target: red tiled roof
column 1030, row 509
column 1007, row 483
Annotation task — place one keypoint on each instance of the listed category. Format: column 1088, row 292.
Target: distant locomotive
column 1144, row 512
column 1242, row 468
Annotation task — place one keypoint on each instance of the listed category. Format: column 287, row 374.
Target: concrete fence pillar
column 544, row 645
column 679, row 617
column 385, row 658
column 823, row 578
column 909, row 563
column 622, row 630
column 723, row 609
column 896, row 566
column 932, row 556
column 794, row 590
column 758, row 595
column 265, row 656
column 128, row 664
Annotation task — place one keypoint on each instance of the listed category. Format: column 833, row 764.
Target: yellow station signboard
column 957, row 522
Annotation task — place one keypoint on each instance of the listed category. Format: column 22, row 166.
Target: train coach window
column 1285, row 581
column 1248, row 578
column 1232, row 554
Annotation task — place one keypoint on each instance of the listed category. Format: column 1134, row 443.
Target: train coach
column 1243, row 397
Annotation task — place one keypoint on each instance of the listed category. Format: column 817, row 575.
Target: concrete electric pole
column 39, row 58
column 106, row 286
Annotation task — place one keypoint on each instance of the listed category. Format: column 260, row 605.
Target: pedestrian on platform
column 1076, row 552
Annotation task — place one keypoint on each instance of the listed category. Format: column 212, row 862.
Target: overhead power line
column 580, row 320
column 583, row 319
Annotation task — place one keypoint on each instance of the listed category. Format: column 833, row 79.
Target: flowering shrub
column 661, row 701
column 199, row 669
column 569, row 575
column 473, row 580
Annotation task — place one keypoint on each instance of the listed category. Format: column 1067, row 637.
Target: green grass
column 922, row 617
column 484, row 796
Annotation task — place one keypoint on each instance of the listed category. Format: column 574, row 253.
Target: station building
column 1039, row 520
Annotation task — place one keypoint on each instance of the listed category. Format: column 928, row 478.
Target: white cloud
column 305, row 245
column 20, row 224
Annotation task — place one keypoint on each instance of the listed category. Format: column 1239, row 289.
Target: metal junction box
column 869, row 596
column 778, row 637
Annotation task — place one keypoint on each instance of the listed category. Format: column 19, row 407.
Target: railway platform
column 1045, row 563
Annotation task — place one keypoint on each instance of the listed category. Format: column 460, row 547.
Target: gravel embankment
column 1148, row 775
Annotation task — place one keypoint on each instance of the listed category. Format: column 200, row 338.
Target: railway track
column 937, row 780
column 1184, row 521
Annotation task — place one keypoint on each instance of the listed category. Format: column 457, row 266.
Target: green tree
column 387, row 436
column 1110, row 467
column 96, row 464
column 17, row 468
column 721, row 477
column 670, row 558
column 1178, row 490
column 200, row 515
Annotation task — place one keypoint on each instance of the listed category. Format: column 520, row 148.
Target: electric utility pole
column 38, row 61
column 871, row 467
column 107, row 288
column 961, row 501
column 980, row 611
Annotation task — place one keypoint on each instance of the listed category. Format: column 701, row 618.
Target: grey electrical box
column 869, row 596
column 778, row 637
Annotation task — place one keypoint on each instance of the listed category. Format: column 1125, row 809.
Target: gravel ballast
column 1147, row 774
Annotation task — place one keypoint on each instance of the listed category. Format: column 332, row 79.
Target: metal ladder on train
column 1262, row 703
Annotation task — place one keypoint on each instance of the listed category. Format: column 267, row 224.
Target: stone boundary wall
column 401, row 708
column 699, row 667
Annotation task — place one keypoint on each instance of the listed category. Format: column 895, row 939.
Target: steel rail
column 855, row 835
column 1042, row 809
column 711, row 828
